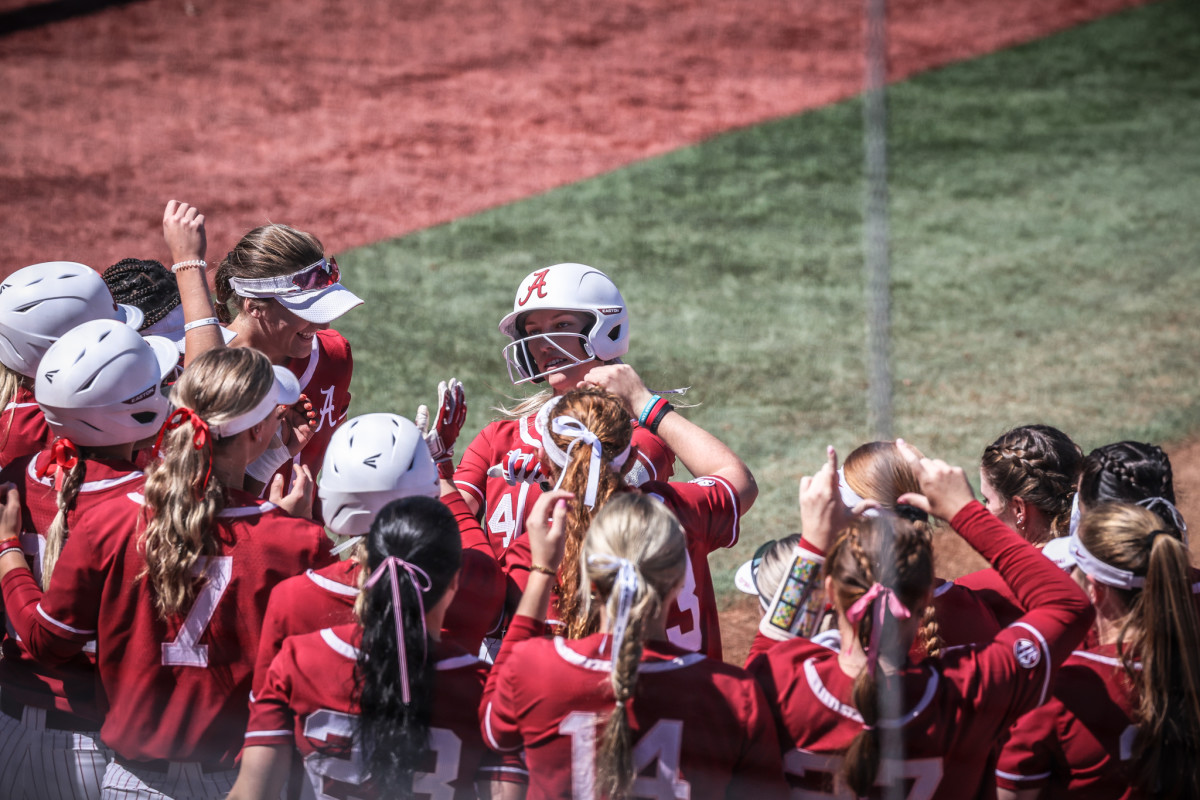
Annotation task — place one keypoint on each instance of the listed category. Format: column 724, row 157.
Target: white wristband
column 200, row 323
column 195, row 263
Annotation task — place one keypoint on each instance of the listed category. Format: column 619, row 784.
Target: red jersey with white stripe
column 307, row 700
column 953, row 707
column 23, row 428
column 708, row 510
column 71, row 686
column 1079, row 743
column 175, row 689
column 325, row 380
column 700, row 728
column 503, row 507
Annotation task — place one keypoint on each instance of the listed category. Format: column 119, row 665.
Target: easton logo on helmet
column 608, row 312
column 139, row 397
column 370, row 460
column 50, row 375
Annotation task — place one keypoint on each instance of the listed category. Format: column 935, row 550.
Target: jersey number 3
column 184, row 650
column 659, row 746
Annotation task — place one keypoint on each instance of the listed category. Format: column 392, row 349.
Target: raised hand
column 446, row 426
column 944, row 489
column 822, row 513
column 183, row 228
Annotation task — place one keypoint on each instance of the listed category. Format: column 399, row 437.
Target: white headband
column 1150, row 502
column 625, row 588
column 284, row 391
column 1101, row 571
column 578, row 432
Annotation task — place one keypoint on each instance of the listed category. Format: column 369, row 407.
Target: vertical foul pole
column 875, row 224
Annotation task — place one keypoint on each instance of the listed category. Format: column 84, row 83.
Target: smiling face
column 283, row 335
column 547, row 355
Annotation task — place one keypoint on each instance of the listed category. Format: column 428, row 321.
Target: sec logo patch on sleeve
column 1028, row 654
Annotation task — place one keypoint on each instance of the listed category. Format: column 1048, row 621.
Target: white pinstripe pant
column 182, row 780
column 40, row 764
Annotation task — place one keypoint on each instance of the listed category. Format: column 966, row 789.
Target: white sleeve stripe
column 513, row 770
column 1045, row 657
column 737, row 511
column 260, row 734
column 487, row 724
column 63, row 625
column 1010, row 776
column 472, row 488
column 648, row 464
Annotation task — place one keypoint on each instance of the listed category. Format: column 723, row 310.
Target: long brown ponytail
column 1162, row 630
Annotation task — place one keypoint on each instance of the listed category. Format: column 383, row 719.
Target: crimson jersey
column 23, row 428
column 503, row 507
column 954, row 706
column 177, row 689
column 325, row 380
column 1079, row 743
column 325, row 597
column 307, row 699
column 708, row 510
column 70, row 686
column 700, row 728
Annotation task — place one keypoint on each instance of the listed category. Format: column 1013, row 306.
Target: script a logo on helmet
column 538, row 284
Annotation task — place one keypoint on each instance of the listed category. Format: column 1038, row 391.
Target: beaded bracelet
column 544, row 570
column 648, row 408
column 662, row 411
column 200, row 323
column 195, row 263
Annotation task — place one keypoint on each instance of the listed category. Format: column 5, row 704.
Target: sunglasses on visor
column 321, row 274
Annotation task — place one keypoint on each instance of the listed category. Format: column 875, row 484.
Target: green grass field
column 1045, row 209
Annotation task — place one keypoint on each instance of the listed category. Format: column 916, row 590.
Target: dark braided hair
column 1040, row 464
column 395, row 736
column 148, row 285
column 1128, row 472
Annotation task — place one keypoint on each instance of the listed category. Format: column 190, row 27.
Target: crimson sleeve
column 471, row 475
column 1058, row 608
column 656, row 458
column 520, row 629
column 759, row 771
column 273, row 633
column 1026, row 759
column 473, row 537
column 272, row 721
column 49, row 642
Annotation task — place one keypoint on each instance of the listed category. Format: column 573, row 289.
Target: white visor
column 284, row 391
column 317, row 305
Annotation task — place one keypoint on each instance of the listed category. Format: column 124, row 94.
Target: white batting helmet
column 42, row 302
column 570, row 287
column 101, row 383
column 372, row 460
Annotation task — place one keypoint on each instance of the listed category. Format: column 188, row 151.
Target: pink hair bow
column 885, row 600
column 391, row 566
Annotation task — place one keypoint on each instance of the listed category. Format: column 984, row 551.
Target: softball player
column 566, row 319
column 364, row 727
column 1124, row 719
column 98, row 388
column 623, row 712
column 38, row 304
column 587, row 440
column 1027, row 478
column 173, row 584
column 947, row 711
column 372, row 460
column 285, row 292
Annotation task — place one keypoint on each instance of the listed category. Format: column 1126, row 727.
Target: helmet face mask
column 566, row 287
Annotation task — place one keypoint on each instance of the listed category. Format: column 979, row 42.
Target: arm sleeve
column 1013, row 673
column 759, row 772
column 706, row 507
column 271, row 719
column 654, row 457
column 273, row 633
column 1026, row 759
column 473, row 537
column 471, row 475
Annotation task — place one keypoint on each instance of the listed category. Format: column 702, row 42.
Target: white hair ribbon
column 1101, row 571
column 578, row 432
column 1074, row 526
column 1150, row 502
column 625, row 590
column 391, row 566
